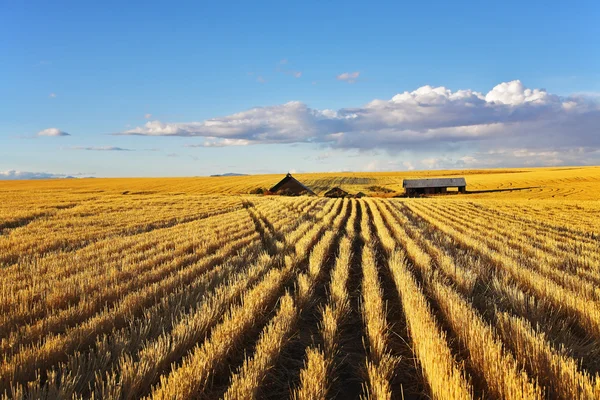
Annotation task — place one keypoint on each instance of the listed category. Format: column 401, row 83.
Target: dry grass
column 183, row 288
column 445, row 376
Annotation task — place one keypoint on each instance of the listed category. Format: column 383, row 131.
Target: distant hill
column 231, row 174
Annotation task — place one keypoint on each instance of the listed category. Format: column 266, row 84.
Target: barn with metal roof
column 415, row 187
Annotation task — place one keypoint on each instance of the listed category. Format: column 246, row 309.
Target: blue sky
column 197, row 88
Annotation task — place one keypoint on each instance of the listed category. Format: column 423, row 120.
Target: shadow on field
column 500, row 190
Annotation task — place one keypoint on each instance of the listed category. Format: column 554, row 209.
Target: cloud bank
column 12, row 174
column 52, row 132
column 509, row 117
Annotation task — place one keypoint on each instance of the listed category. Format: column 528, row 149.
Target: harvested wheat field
column 190, row 288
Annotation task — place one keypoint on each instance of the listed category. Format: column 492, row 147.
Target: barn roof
column 336, row 192
column 433, row 182
column 289, row 178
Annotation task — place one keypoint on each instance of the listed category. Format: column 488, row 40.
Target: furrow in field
column 380, row 362
column 587, row 312
column 501, row 371
column 156, row 270
column 464, row 278
column 59, row 266
column 569, row 254
column 493, row 293
column 529, row 217
column 14, row 246
column 442, row 374
column 106, row 289
column 193, row 376
column 285, row 371
column 320, row 362
column 55, row 348
column 559, row 264
column 506, row 244
column 565, row 225
column 445, row 377
column 407, row 380
column 102, row 240
column 559, row 373
column 248, row 382
column 23, row 219
column 84, row 370
column 486, row 357
column 534, row 229
column 138, row 368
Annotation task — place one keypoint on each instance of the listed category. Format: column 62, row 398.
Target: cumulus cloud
column 349, row 77
column 99, row 148
column 514, row 93
column 508, row 116
column 52, row 132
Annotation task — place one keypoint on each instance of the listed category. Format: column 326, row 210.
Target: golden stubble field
column 190, row 288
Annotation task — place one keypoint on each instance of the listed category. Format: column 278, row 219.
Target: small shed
column 291, row 186
column 415, row 187
column 336, row 192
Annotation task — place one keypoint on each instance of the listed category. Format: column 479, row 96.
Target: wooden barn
column 291, row 186
column 416, row 187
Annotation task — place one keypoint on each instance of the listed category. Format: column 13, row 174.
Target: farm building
column 291, row 186
column 414, row 187
column 336, row 192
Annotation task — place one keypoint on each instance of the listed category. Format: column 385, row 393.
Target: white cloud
column 508, row 116
column 52, row 132
column 148, row 116
column 297, row 74
column 349, row 77
column 99, row 148
column 17, row 175
column 431, row 163
column 52, row 95
column 260, row 79
column 514, row 93
column 469, row 160
column 214, row 142
column 529, row 153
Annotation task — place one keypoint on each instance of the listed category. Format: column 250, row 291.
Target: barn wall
column 431, row 190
